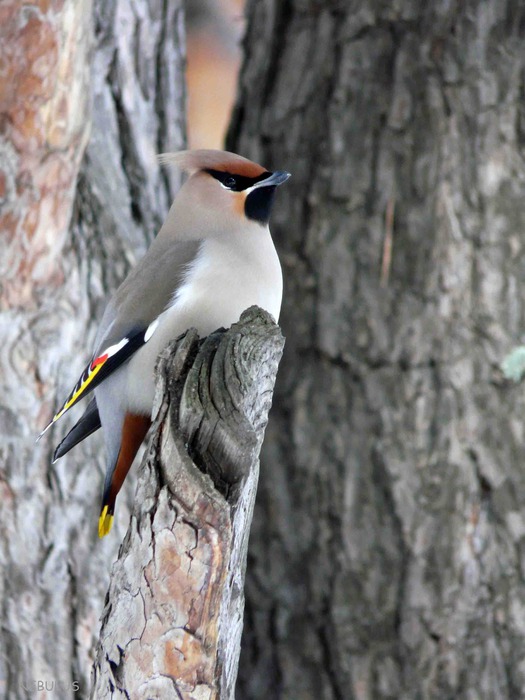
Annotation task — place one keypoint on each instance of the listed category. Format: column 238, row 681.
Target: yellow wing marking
column 77, row 393
column 87, row 376
column 92, row 370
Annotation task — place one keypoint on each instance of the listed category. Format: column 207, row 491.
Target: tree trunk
column 173, row 619
column 70, row 236
column 386, row 558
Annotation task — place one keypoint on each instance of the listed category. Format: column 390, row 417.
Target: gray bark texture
column 387, row 556
column 173, row 620
column 89, row 94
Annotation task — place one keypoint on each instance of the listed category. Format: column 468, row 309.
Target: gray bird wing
column 147, row 291
column 128, row 321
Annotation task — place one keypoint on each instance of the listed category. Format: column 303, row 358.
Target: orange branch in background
column 213, row 62
column 388, row 241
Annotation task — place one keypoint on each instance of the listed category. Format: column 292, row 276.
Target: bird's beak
column 275, row 179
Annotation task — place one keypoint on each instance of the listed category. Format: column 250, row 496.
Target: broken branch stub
column 172, row 623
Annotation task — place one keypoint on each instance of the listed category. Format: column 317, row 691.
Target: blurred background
column 387, row 552
column 214, row 34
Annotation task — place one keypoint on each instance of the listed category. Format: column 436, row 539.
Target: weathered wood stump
column 172, row 623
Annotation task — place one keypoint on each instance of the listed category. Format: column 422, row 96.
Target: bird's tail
column 105, row 522
column 133, row 433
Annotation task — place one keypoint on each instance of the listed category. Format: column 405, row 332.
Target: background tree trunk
column 55, row 280
column 387, row 553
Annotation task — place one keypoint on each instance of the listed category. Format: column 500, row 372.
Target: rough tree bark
column 126, row 58
column 173, row 619
column 386, row 558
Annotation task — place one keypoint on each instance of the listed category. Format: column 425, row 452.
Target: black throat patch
column 258, row 204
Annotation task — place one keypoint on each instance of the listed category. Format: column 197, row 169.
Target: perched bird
column 212, row 258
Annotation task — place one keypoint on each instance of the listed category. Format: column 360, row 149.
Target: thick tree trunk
column 55, row 280
column 173, row 620
column 386, row 558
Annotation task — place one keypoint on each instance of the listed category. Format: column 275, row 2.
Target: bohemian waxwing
column 212, row 258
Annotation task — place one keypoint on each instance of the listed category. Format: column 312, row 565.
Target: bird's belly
column 200, row 307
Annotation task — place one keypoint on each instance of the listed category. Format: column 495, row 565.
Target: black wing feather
column 101, row 367
column 88, row 424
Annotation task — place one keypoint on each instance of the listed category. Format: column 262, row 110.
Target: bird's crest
column 209, row 159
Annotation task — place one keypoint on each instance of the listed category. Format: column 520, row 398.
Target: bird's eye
column 230, row 182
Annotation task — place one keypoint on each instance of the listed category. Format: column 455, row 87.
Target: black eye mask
column 236, row 183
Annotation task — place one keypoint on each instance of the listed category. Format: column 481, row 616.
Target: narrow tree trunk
column 173, row 619
column 386, row 558
column 55, row 280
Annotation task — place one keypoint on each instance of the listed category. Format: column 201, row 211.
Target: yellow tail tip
column 105, row 522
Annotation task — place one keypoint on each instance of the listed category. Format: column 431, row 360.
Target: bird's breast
column 222, row 281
